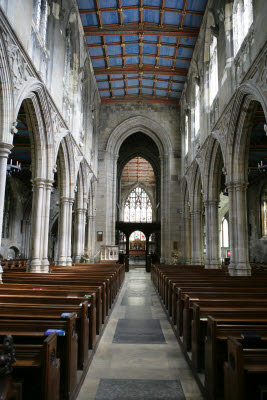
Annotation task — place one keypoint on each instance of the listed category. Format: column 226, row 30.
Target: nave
column 138, row 356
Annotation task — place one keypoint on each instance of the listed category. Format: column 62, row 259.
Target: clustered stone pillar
column 79, row 229
column 187, row 239
column 212, row 234
column 197, row 237
column 38, row 261
column 5, row 149
column 64, row 235
column 239, row 258
column 90, row 242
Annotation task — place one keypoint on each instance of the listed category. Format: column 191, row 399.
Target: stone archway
column 107, row 190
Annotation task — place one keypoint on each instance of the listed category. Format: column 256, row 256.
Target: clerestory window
column 242, row 21
column 40, row 18
column 213, row 69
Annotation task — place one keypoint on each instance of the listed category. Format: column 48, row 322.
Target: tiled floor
column 138, row 357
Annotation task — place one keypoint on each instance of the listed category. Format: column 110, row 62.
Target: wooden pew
column 209, row 305
column 36, row 358
column 245, row 369
column 216, row 343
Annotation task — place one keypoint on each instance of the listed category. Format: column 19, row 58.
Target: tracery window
column 186, row 134
column 40, row 17
column 138, row 207
column 225, row 233
column 213, row 69
column 68, row 57
column 197, row 109
column 264, row 211
column 242, row 20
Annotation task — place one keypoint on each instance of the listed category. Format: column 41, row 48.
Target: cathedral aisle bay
column 138, row 357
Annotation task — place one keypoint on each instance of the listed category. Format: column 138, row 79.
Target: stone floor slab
column 137, row 331
column 139, row 389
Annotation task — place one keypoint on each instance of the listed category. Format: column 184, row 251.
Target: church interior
column 133, row 199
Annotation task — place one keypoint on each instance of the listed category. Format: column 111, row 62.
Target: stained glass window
column 197, row 109
column 186, row 134
column 138, row 207
column 213, row 69
column 242, row 20
column 225, row 233
column 264, row 211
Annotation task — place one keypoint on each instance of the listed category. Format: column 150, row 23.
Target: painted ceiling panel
column 89, row 19
column 96, row 51
column 174, row 4
column 131, row 49
column 110, row 17
column 98, row 63
column 147, row 82
column 163, row 85
column 132, row 60
column 106, row 4
column 171, row 18
column 149, row 60
column 151, row 16
column 115, row 61
column 167, row 51
column 103, row 85
column 105, row 94
column 133, row 91
column 130, row 16
column 114, row 50
column 152, row 3
column 130, row 3
column 131, row 39
column 93, row 39
column 117, row 84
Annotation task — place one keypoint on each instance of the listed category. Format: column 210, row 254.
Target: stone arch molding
column 139, row 124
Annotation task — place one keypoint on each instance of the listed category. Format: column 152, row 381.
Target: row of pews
column 221, row 324
column 55, row 321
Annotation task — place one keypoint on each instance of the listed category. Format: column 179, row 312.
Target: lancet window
column 138, row 207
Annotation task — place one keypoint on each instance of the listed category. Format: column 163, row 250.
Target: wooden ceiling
column 138, row 170
column 141, row 49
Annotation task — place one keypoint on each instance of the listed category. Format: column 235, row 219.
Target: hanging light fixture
column 262, row 168
column 12, row 168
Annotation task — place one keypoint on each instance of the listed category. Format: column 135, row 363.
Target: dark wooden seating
column 193, row 296
column 36, row 365
column 32, row 303
column 246, row 368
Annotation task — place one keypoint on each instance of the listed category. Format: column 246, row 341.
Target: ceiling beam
column 158, row 79
column 145, row 7
column 138, row 99
column 146, row 69
column 136, row 29
column 182, row 46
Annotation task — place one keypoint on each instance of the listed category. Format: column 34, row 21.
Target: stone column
column 197, row 238
column 242, row 260
column 69, row 228
column 79, row 227
column 63, row 231
column 5, row 149
column 35, row 261
column 232, row 225
column 212, row 235
column 187, row 239
column 46, row 210
column 92, row 243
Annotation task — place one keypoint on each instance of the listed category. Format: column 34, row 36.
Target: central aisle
column 138, row 357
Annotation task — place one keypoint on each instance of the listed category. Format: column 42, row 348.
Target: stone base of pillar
column 196, row 261
column 77, row 259
column 61, row 261
column 213, row 265
column 241, row 269
column 69, row 261
column 38, row 268
column 162, row 260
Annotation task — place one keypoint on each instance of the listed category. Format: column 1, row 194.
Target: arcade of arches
column 150, row 136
